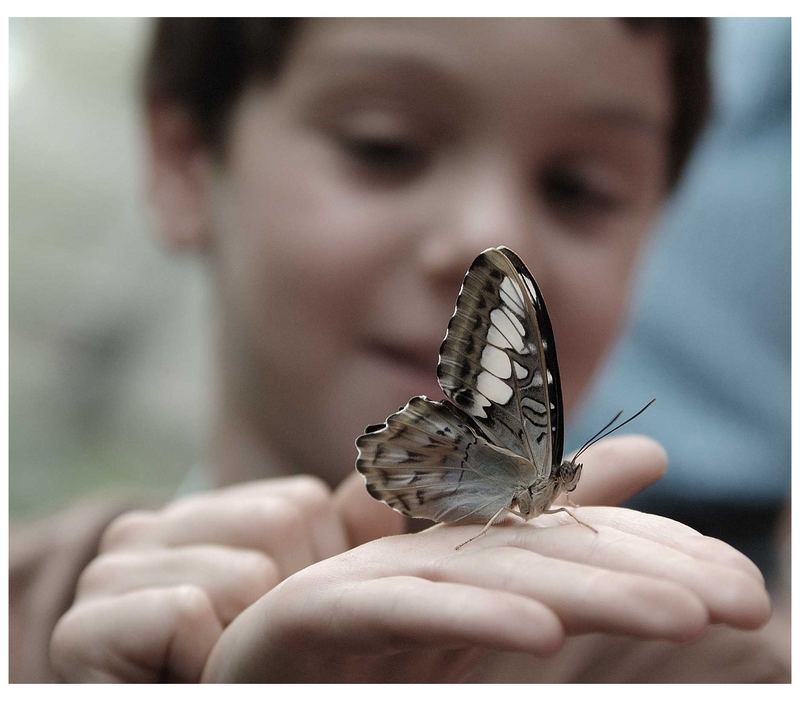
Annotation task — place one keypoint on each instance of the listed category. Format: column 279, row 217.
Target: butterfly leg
column 485, row 528
column 567, row 511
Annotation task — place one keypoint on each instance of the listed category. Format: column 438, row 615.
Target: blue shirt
column 710, row 331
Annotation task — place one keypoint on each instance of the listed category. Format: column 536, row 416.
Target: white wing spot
column 497, row 339
column 511, row 296
column 517, row 324
column 496, row 362
column 521, row 371
column 537, row 379
column 512, row 330
column 479, row 405
column 493, row 388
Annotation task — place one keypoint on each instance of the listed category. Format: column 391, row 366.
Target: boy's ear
column 179, row 176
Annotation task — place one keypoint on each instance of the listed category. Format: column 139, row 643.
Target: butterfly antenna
column 585, row 445
column 600, row 435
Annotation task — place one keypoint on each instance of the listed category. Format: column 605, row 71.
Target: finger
column 402, row 612
column 270, row 524
column 716, row 550
column 667, row 532
column 658, row 528
column 364, row 518
column 617, row 468
column 730, row 595
column 232, row 578
column 137, row 637
column 312, row 496
column 585, row 598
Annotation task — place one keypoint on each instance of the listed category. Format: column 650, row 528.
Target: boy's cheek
column 585, row 330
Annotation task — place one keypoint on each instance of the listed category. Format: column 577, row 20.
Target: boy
column 340, row 175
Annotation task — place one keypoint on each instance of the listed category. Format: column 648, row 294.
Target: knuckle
column 69, row 643
column 292, row 520
column 97, row 574
column 279, row 516
column 601, row 584
column 62, row 641
column 192, row 605
column 260, row 573
column 314, row 491
column 125, row 529
column 185, row 506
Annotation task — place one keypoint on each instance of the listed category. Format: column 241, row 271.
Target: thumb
column 364, row 518
column 617, row 468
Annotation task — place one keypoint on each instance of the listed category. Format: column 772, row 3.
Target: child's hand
column 411, row 608
column 154, row 602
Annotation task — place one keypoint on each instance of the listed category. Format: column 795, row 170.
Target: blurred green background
column 109, row 374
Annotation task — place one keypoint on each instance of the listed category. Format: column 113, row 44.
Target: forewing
column 498, row 360
column 427, row 462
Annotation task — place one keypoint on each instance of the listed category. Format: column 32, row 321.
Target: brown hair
column 205, row 63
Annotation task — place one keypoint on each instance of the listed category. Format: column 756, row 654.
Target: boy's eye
column 575, row 194
column 386, row 156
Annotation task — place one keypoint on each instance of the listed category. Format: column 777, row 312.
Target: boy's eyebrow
column 443, row 79
column 426, row 77
column 626, row 116
column 397, row 62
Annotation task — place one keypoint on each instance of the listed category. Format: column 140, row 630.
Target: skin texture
column 155, row 603
column 358, row 187
column 352, row 196
column 411, row 608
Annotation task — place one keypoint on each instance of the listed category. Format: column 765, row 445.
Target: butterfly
column 495, row 444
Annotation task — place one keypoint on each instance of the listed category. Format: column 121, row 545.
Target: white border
column 408, row 8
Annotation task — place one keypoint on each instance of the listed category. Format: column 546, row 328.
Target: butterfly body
column 536, row 499
column 495, row 444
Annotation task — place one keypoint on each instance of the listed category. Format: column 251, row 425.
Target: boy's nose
column 492, row 208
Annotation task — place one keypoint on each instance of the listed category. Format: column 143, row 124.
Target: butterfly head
column 568, row 475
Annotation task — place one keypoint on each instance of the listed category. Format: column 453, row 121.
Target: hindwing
column 426, row 461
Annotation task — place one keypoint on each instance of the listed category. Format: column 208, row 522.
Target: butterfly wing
column 426, row 461
column 498, row 361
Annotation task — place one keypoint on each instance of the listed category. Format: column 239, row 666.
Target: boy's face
column 358, row 187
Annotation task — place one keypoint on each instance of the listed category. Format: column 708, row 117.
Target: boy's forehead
column 599, row 65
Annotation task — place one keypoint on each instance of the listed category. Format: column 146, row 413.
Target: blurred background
column 110, row 357
column 109, row 361
column 710, row 332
